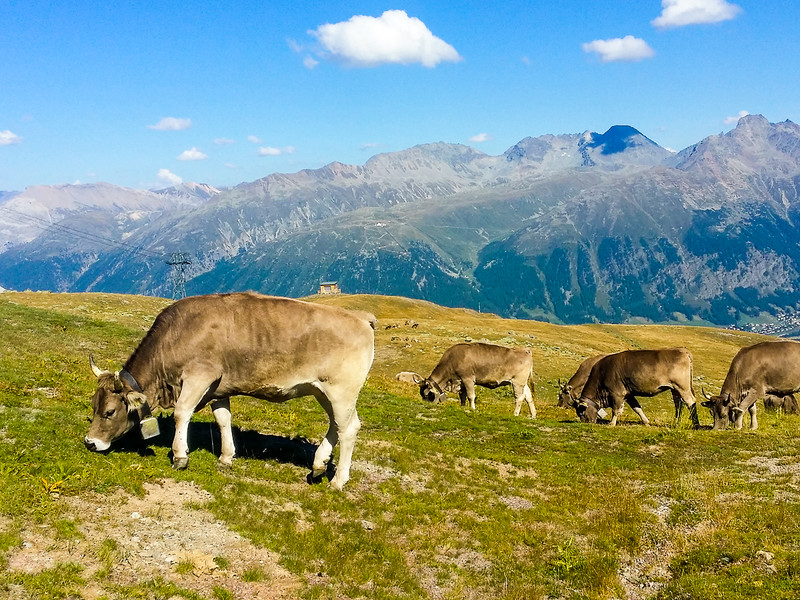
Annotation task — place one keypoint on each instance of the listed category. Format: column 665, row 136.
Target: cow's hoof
column 336, row 485
column 224, row 464
column 179, row 464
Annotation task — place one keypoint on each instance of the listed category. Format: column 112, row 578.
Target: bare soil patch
column 166, row 534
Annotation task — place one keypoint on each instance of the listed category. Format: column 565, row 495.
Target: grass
column 442, row 502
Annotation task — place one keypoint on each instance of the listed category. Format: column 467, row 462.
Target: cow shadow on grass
column 249, row 444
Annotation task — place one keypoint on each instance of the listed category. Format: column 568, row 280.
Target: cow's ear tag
column 602, row 413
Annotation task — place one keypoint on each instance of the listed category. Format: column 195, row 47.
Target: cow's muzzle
column 95, row 445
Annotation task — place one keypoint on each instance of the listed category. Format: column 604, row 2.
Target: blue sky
column 147, row 94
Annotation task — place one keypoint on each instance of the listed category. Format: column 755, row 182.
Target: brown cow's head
column 430, row 390
column 587, row 410
column 115, row 408
column 565, row 397
column 724, row 409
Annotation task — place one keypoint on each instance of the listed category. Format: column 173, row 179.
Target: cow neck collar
column 596, row 405
column 130, row 380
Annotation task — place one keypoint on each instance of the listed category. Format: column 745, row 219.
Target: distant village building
column 329, row 287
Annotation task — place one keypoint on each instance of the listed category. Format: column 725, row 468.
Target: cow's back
column 773, row 365
column 578, row 380
column 641, row 370
column 256, row 340
column 485, row 363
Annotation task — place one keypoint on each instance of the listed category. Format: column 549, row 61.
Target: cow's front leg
column 753, row 419
column 192, row 393
column 468, row 385
column 462, row 395
column 616, row 410
column 222, row 414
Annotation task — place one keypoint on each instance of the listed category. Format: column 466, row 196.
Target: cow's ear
column 135, row 400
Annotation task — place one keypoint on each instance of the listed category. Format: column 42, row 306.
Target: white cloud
column 193, row 154
column 392, row 38
column 169, row 177
column 269, row 151
column 678, row 13
column 254, row 139
column 628, row 49
column 479, row 138
column 309, row 62
column 734, row 120
column 224, row 141
column 171, row 124
column 8, row 138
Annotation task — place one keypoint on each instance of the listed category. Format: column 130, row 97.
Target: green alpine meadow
column 443, row 502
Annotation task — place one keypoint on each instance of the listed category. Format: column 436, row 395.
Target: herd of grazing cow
column 204, row 349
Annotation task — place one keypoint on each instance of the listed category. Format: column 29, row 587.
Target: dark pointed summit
column 617, row 139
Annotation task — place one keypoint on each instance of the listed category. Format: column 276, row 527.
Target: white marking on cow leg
column 192, row 392
column 519, row 395
column 739, row 420
column 753, row 419
column 638, row 410
column 469, row 390
column 222, row 414
column 529, row 399
column 323, row 454
column 347, row 437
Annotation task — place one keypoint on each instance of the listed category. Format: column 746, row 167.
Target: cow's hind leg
column 343, row 429
column 678, row 402
column 685, row 396
column 523, row 393
column 222, row 414
column 637, row 408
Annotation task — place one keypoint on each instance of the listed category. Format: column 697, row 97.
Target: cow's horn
column 705, row 395
column 117, row 382
column 95, row 369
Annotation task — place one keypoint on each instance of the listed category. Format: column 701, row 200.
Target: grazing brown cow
column 203, row 349
column 618, row 378
column 570, row 392
column 765, row 368
column 464, row 366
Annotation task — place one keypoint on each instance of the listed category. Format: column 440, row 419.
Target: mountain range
column 569, row 228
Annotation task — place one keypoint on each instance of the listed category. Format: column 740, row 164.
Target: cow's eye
column 109, row 413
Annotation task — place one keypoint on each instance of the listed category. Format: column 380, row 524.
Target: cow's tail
column 693, row 408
